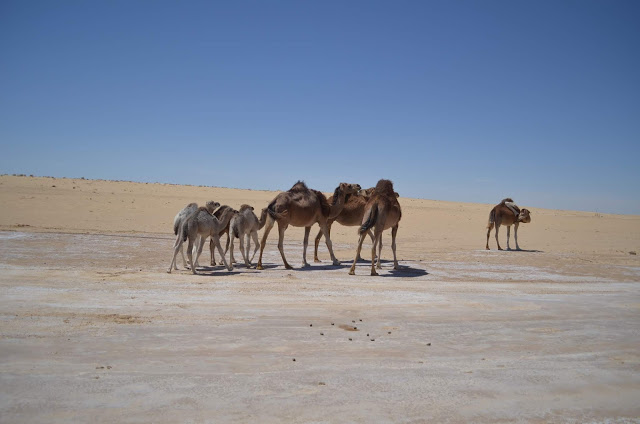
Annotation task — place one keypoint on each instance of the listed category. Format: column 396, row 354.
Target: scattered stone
column 332, row 323
column 322, row 334
column 322, row 384
column 367, row 334
column 633, row 252
column 373, row 340
column 294, row 359
column 428, row 344
column 355, row 328
column 350, row 339
column 389, row 332
column 360, row 320
column 310, row 325
column 353, row 321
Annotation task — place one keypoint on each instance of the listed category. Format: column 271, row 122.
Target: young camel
column 204, row 225
column 223, row 231
column 303, row 207
column 350, row 216
column 507, row 213
column 179, row 223
column 246, row 223
column 382, row 211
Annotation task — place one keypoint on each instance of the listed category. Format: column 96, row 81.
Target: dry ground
column 93, row 329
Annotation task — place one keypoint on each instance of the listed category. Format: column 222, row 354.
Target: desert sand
column 93, row 329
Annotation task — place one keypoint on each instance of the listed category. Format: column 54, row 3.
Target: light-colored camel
column 382, row 211
column 303, row 207
column 179, row 223
column 246, row 224
column 507, row 213
column 225, row 230
column 350, row 216
column 203, row 224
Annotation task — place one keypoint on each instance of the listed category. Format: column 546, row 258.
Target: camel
column 218, row 214
column 179, row 223
column 350, row 216
column 507, row 213
column 303, row 207
column 382, row 211
column 246, row 223
column 203, row 224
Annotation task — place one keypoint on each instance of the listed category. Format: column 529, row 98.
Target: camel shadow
column 406, row 271
column 524, row 250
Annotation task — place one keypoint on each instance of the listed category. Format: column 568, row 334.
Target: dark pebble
column 310, row 325
column 367, row 334
column 294, row 359
column 389, row 332
column 428, row 344
column 322, row 334
column 350, row 339
column 373, row 340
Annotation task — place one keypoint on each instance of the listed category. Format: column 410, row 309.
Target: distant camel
column 382, row 211
column 203, row 224
column 179, row 222
column 246, row 223
column 350, row 216
column 507, row 213
column 223, row 231
column 303, row 207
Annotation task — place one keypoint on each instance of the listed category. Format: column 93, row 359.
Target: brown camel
column 382, row 211
column 507, row 213
column 350, row 216
column 303, row 207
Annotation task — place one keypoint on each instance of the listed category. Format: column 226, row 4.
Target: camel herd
column 374, row 210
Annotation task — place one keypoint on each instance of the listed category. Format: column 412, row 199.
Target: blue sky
column 453, row 100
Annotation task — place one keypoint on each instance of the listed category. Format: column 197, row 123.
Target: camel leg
column 508, row 236
column 244, row 256
column 305, row 243
column 515, row 234
column 224, row 260
column 212, row 250
column 200, row 246
column 267, row 229
column 254, row 235
column 177, row 246
column 377, row 238
column 281, row 229
column 248, row 247
column 327, row 239
column 227, row 247
column 359, row 258
column 190, row 254
column 352, row 271
column 394, row 232
column 184, row 260
column 498, row 241
column 489, row 227
column 379, row 265
column 318, row 237
column 231, row 250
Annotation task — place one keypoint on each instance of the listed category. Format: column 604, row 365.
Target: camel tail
column 236, row 233
column 185, row 231
column 492, row 219
column 371, row 220
column 176, row 226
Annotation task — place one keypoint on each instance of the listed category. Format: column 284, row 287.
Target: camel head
column 524, row 216
column 212, row 206
column 366, row 192
column 347, row 188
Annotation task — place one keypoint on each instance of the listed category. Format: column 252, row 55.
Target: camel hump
column 324, row 203
column 505, row 200
column 245, row 206
column 385, row 188
column 299, row 186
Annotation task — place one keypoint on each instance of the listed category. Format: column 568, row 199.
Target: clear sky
column 453, row 100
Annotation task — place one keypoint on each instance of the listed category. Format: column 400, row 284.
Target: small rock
column 294, row 359
column 633, row 252
column 373, row 340
column 310, row 325
column 428, row 344
column 350, row 339
column 360, row 320
column 389, row 332
column 367, row 334
column 322, row 334
column 332, row 323
column 355, row 328
column 322, row 384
